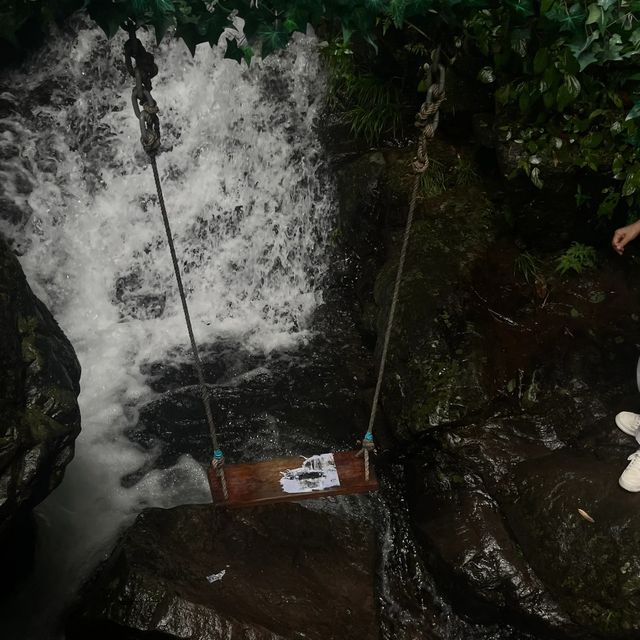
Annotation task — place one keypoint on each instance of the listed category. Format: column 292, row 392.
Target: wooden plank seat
column 259, row 483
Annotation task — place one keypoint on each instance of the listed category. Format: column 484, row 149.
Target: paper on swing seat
column 316, row 474
column 260, row 483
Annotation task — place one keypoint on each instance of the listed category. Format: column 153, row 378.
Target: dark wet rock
column 301, row 402
column 462, row 528
column 494, row 499
column 358, row 242
column 593, row 569
column 289, row 573
column 357, row 188
column 15, row 215
column 434, row 368
column 39, row 385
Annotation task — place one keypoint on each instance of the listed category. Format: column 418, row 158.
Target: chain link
column 143, row 71
column 144, row 106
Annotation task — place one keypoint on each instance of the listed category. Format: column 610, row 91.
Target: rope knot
column 367, row 443
column 427, row 120
column 217, row 461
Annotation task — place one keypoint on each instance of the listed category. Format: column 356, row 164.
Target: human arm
column 624, row 236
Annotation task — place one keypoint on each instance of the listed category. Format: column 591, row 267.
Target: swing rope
column 427, row 120
column 143, row 71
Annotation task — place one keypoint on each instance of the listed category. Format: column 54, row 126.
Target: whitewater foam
column 250, row 207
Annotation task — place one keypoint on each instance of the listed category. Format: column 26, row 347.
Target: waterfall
column 250, row 205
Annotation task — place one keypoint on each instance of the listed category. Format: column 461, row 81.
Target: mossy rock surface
column 39, row 385
column 433, row 373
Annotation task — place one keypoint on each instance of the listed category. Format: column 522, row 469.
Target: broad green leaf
column 608, row 205
column 635, row 111
column 290, row 26
column 522, row 8
column 617, row 166
column 396, row 11
column 546, row 6
column 595, row 14
column 524, row 101
column 616, row 99
column 535, row 177
column 272, row 38
column 593, row 140
column 563, row 98
column 371, row 42
column 551, row 77
column 165, row 6
column 573, row 86
column 586, row 58
column 549, row 99
column 632, row 183
column 573, row 19
column 503, row 94
column 541, row 60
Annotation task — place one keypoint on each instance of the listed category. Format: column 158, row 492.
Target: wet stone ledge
column 289, row 572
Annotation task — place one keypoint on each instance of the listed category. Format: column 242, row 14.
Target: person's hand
column 624, row 236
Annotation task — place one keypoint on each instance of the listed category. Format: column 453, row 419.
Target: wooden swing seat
column 258, row 483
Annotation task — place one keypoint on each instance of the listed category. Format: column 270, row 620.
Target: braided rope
column 143, row 71
column 218, row 460
column 427, row 121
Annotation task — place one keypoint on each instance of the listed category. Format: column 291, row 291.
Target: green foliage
column 527, row 267
column 577, row 258
column 568, row 81
column 371, row 105
column 565, row 72
column 196, row 21
column 20, row 20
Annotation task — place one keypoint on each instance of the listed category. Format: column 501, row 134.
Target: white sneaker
column 628, row 422
column 630, row 478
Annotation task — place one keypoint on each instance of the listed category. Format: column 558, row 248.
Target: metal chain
column 145, row 69
column 427, row 120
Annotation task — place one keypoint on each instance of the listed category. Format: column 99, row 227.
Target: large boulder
column 433, row 373
column 39, row 385
column 510, row 483
column 592, row 568
column 281, row 572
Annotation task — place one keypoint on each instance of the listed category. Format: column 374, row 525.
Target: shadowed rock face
column 39, row 385
column 502, row 389
column 289, row 573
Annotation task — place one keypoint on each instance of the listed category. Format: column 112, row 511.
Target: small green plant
column 466, row 173
column 433, row 181
column 371, row 105
column 527, row 267
column 577, row 258
column 375, row 108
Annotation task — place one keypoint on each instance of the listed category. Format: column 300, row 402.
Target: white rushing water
column 250, row 209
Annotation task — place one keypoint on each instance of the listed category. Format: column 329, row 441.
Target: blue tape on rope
column 368, row 436
column 218, row 454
